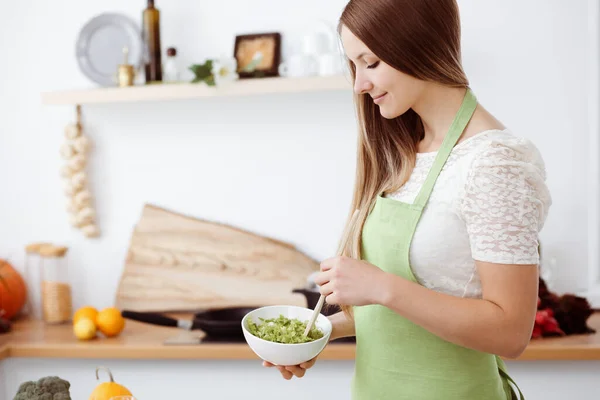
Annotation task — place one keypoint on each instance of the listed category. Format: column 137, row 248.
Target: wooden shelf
column 186, row 91
column 143, row 341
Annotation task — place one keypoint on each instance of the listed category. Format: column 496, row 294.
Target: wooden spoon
column 319, row 305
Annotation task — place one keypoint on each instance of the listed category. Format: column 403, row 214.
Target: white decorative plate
column 100, row 45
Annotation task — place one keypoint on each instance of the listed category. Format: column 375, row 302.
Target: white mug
column 330, row 64
column 299, row 66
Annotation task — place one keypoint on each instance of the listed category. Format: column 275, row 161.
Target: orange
column 110, row 322
column 85, row 312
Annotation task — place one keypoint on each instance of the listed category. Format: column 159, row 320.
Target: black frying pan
column 217, row 322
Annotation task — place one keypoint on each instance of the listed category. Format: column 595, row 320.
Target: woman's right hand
column 288, row 372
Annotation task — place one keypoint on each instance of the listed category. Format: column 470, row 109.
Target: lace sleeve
column 506, row 202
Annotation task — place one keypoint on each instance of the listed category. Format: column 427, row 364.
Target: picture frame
column 246, row 47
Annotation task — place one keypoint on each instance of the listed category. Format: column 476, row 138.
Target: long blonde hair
column 421, row 39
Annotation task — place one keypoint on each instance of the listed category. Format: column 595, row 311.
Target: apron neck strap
column 461, row 119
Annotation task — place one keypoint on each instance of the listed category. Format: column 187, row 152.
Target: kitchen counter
column 144, row 341
column 33, row 338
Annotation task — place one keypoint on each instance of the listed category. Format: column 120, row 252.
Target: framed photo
column 258, row 55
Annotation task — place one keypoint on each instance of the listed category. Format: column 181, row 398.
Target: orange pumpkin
column 108, row 390
column 13, row 291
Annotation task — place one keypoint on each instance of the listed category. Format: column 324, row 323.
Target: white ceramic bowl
column 280, row 353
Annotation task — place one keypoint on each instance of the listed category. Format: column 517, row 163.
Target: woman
column 439, row 278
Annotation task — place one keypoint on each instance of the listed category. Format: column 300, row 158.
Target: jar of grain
column 56, row 290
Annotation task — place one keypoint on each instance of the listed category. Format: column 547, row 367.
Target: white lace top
column 489, row 203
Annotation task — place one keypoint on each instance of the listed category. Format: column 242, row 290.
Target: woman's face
column 393, row 91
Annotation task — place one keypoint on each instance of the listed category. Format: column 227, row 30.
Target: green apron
column 395, row 358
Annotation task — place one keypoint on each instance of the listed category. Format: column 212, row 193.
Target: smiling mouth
column 379, row 98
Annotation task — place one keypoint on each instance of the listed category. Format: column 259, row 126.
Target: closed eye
column 374, row 65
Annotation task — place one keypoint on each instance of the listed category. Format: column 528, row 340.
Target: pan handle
column 150, row 318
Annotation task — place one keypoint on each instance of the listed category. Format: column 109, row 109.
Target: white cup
column 330, row 64
column 298, row 66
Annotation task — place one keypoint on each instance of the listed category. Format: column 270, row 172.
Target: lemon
column 84, row 329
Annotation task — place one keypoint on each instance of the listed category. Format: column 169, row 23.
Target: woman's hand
column 347, row 281
column 290, row 371
column 342, row 327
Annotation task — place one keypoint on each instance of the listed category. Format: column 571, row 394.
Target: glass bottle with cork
column 171, row 68
column 151, row 41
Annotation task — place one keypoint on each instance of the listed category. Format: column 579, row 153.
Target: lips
column 377, row 99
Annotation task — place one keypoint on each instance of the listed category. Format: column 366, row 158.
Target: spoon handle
column 314, row 315
column 319, row 305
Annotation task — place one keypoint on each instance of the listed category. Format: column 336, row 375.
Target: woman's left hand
column 347, row 281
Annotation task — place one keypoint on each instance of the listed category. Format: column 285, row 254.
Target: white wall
column 278, row 165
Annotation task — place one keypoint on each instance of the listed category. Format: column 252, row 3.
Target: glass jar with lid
column 56, row 289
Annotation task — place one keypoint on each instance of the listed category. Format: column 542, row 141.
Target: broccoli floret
column 25, row 391
column 48, row 388
column 53, row 385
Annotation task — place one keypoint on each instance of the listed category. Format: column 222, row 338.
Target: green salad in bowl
column 276, row 334
column 284, row 330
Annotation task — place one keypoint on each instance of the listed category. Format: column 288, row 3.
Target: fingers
column 308, row 364
column 322, row 277
column 285, row 373
column 297, row 371
column 326, row 289
column 329, row 263
column 288, row 372
column 327, row 270
column 333, row 300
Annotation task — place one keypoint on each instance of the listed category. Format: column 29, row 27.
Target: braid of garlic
column 74, row 151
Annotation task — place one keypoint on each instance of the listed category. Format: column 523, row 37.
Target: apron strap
column 461, row 119
column 507, row 377
column 504, row 374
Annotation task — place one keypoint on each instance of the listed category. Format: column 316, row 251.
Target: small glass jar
column 33, row 307
column 171, row 68
column 56, row 290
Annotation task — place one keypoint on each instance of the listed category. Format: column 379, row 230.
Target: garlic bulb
column 90, row 230
column 82, row 198
column 85, row 216
column 67, row 151
column 69, row 188
column 87, row 212
column 79, row 180
column 66, row 172
column 83, row 220
column 72, row 131
column 82, row 144
column 71, row 207
column 77, row 162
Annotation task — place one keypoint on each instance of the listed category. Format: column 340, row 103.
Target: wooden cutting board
column 179, row 263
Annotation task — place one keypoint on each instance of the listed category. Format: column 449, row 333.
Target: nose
column 361, row 84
